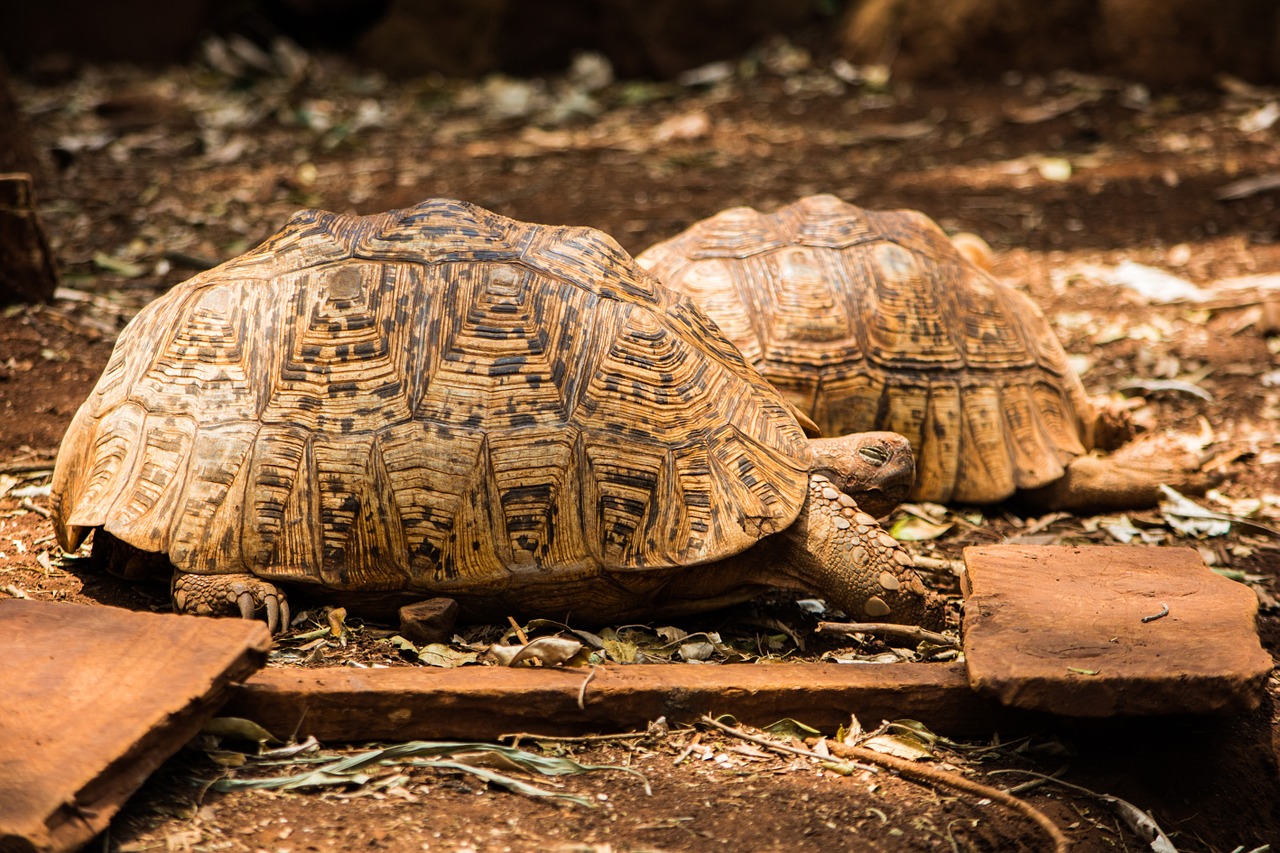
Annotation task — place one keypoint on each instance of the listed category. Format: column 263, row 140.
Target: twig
column 937, row 564
column 28, row 504
column 516, row 737
column 910, row 632
column 520, row 634
column 779, row 747
column 922, row 773
column 45, row 466
column 688, row 750
column 1143, row 824
column 582, row 691
column 1164, row 611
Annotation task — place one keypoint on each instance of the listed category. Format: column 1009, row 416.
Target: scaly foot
column 223, row 595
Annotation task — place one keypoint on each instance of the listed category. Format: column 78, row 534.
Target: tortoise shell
column 874, row 320
column 436, row 398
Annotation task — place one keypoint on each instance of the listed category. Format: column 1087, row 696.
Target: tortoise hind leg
column 224, row 595
column 1101, row 483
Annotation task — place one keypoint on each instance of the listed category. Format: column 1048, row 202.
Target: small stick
column 937, row 564
column 1164, row 611
column 520, row 634
column 909, row 632
column 45, row 467
column 31, row 505
column 688, row 750
column 929, row 775
column 779, row 747
column 519, row 736
column 582, row 691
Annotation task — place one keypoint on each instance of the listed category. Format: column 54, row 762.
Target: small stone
column 841, row 522
column 876, row 607
column 429, row 621
column 846, row 501
column 830, row 494
column 889, row 582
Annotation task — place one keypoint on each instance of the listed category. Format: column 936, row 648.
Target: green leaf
column 118, row 266
column 788, row 727
column 238, row 728
column 913, row 528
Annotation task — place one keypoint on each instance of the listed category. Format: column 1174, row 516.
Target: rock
column 429, row 621
column 1096, row 631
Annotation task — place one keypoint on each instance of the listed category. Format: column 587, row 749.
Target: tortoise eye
column 875, row 454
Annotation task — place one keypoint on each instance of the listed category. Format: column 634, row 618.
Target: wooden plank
column 481, row 703
column 94, row 699
column 1077, row 631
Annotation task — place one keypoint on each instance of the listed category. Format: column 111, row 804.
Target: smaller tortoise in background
column 869, row 319
column 444, row 401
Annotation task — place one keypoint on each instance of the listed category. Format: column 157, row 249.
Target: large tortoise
column 444, row 401
column 869, row 319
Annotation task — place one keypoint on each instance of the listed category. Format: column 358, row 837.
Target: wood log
column 28, row 272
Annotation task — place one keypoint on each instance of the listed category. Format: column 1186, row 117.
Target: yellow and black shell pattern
column 434, row 399
column 873, row 320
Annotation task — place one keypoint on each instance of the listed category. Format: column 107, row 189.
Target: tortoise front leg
column 227, row 595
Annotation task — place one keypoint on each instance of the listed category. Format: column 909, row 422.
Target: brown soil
column 160, row 171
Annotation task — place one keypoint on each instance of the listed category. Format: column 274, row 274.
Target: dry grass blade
column 362, row 768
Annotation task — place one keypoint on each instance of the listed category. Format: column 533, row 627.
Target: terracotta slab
column 93, row 700
column 1061, row 629
column 480, row 703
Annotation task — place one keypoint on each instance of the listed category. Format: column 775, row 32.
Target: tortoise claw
column 231, row 595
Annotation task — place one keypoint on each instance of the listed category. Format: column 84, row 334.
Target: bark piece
column 89, row 708
column 1078, row 631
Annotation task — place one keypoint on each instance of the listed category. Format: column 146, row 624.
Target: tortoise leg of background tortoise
column 228, row 595
column 846, row 556
column 876, row 469
column 1101, row 483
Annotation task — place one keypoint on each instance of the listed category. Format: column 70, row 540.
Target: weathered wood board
column 1077, row 631
column 96, row 698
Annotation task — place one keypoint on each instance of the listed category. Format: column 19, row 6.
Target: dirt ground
column 1074, row 180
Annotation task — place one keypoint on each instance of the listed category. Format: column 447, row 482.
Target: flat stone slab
column 1077, row 631
column 93, row 700
column 482, row 702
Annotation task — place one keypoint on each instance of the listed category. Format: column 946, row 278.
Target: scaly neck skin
column 876, row 469
column 842, row 554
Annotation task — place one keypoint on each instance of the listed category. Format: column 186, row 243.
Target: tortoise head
column 876, row 469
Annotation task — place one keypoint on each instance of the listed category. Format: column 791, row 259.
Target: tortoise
column 868, row 319
column 442, row 401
